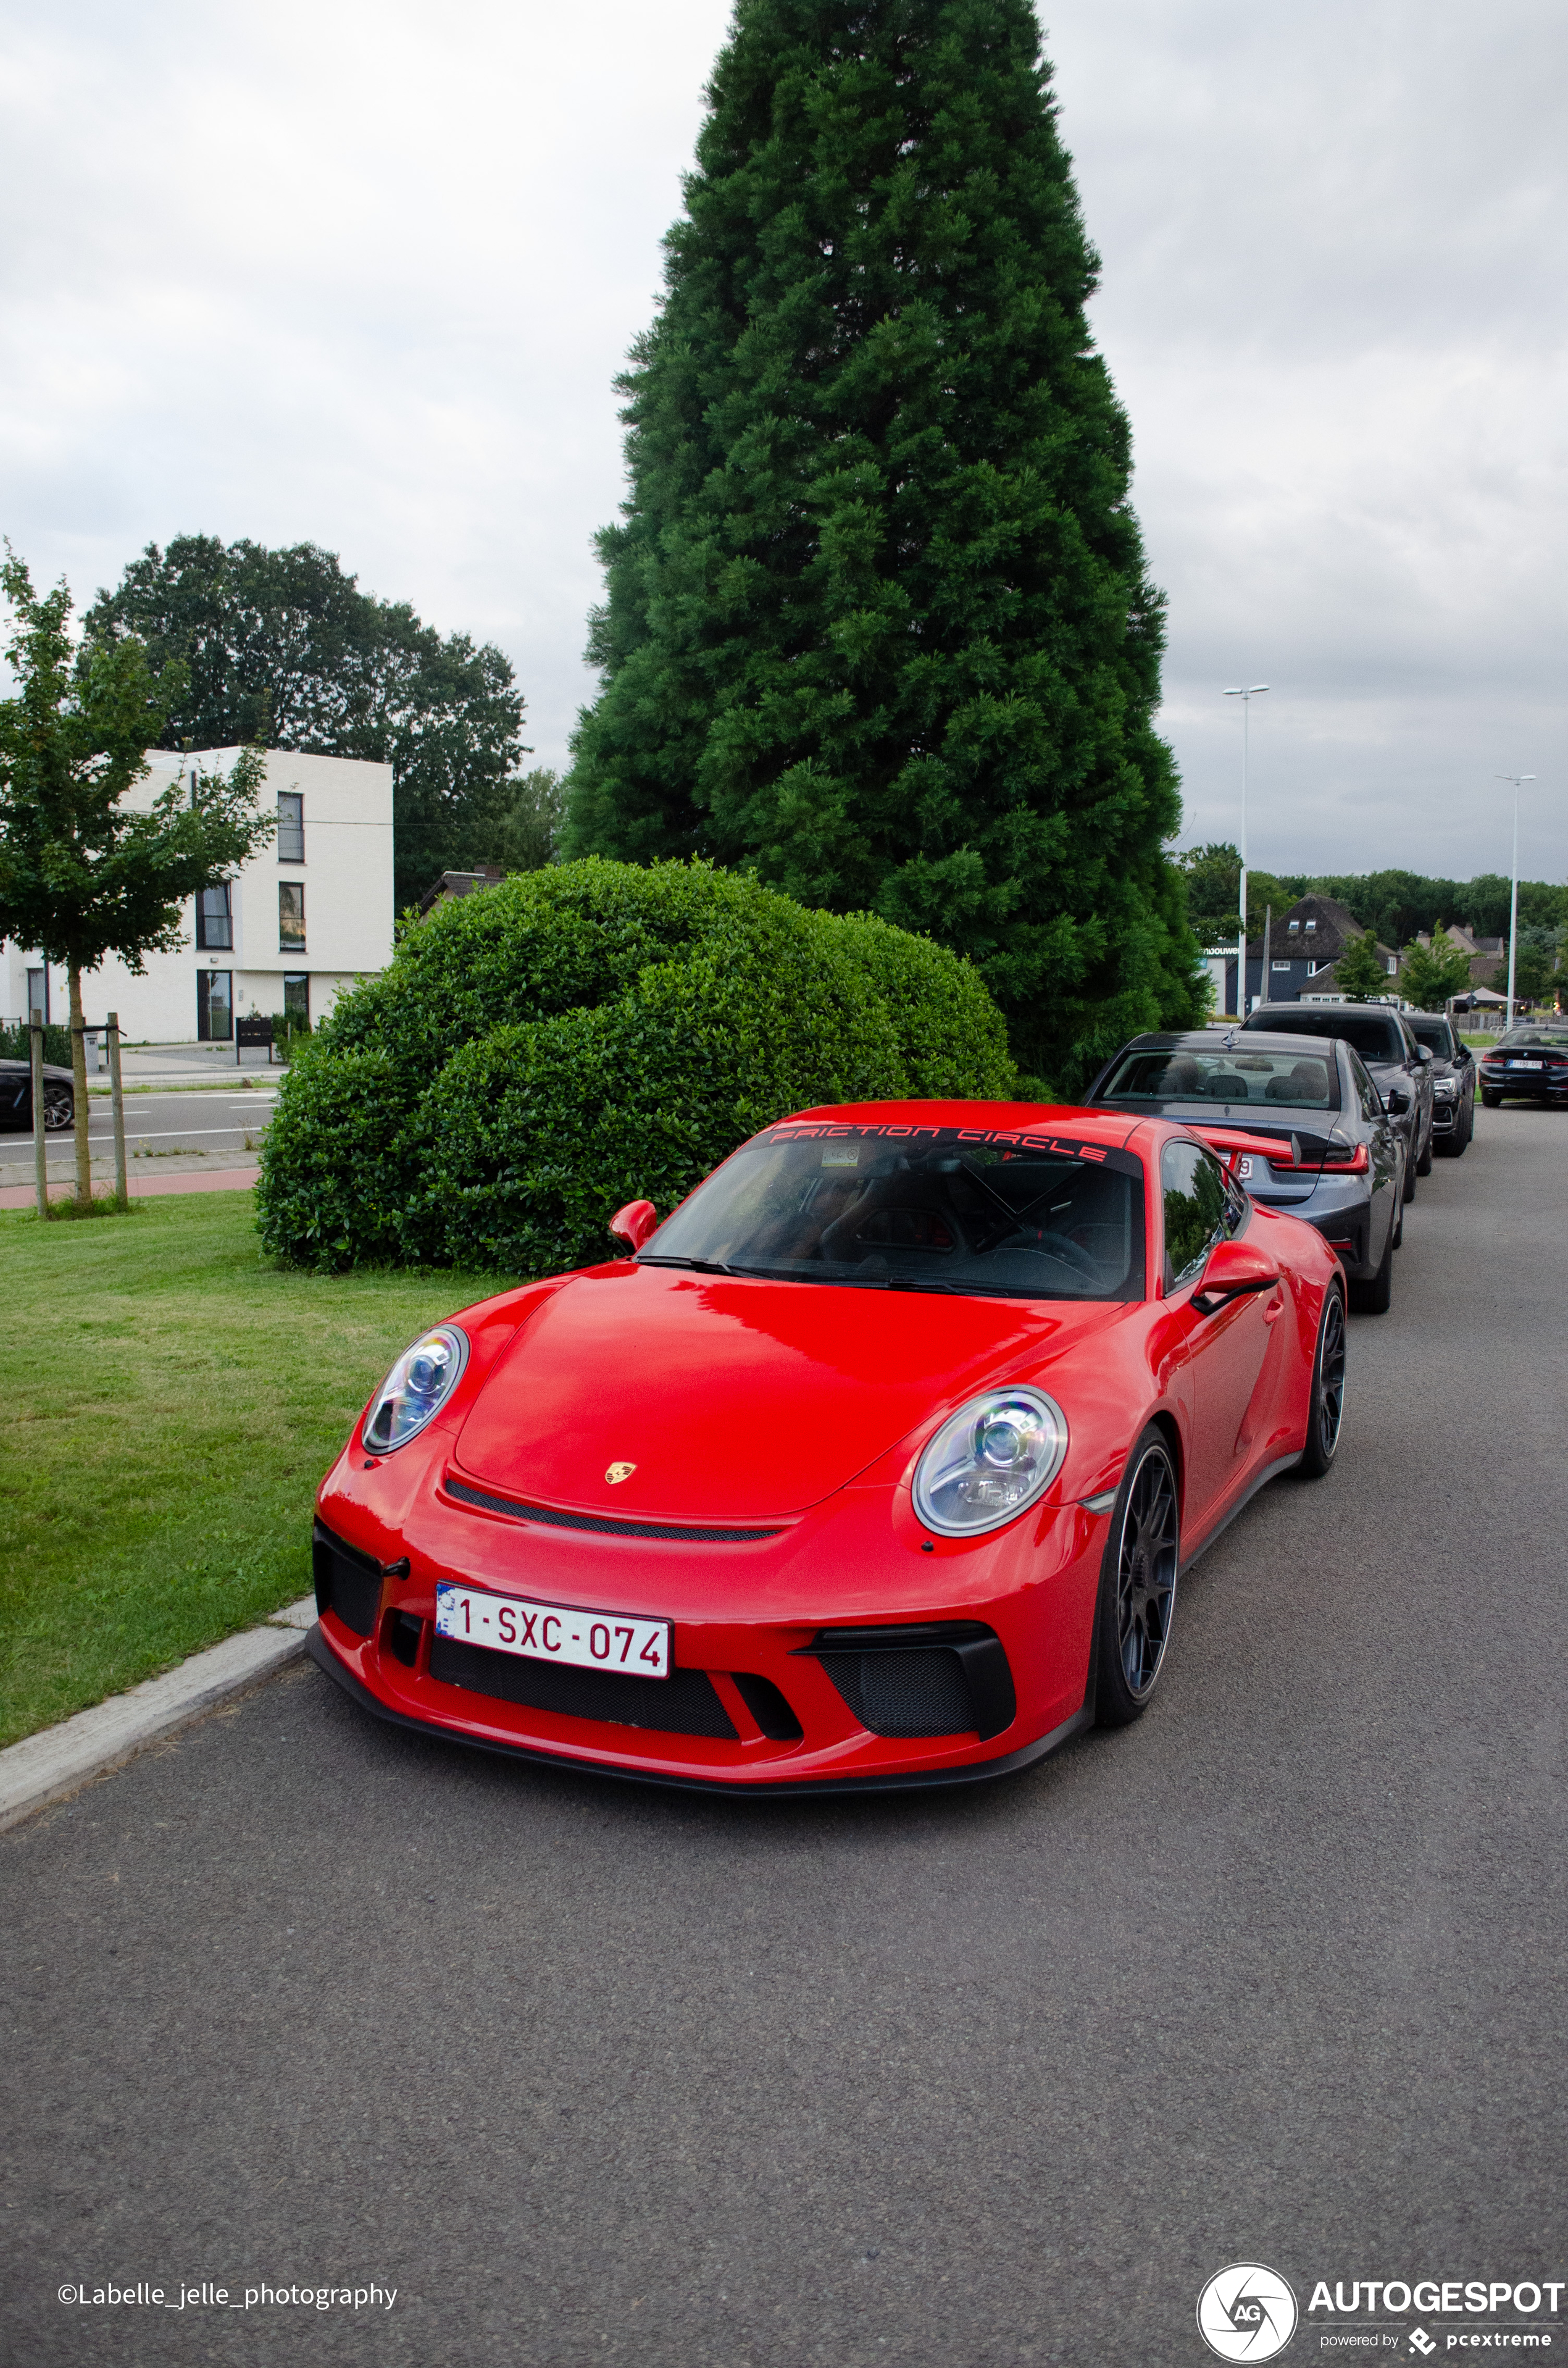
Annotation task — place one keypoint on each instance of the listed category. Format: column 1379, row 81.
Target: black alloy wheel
column 1137, row 1584
column 59, row 1109
column 1326, row 1409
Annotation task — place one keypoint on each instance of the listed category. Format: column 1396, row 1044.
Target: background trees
column 1360, row 969
column 82, row 875
column 1429, row 974
column 877, row 620
column 282, row 646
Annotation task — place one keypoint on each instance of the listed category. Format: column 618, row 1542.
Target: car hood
column 734, row 1400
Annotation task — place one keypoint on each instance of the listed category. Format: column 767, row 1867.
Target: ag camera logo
column 1246, row 2312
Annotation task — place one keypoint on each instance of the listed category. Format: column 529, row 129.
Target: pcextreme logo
column 1246, row 2312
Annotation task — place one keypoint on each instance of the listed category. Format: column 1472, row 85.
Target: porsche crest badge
column 619, row 1472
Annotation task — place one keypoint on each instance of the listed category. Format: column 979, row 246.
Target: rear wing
column 1234, row 1146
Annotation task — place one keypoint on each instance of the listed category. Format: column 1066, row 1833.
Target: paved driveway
column 598, row 2075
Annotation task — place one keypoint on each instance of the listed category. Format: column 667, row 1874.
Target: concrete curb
column 44, row 1768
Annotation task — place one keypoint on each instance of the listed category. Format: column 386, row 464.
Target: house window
column 1293, row 930
column 214, row 1007
column 290, row 916
column 214, row 919
column 1284, row 965
column 290, row 826
column 1393, row 965
column 297, row 993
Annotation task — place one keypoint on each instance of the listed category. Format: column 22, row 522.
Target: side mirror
column 1234, row 1268
column 1423, row 1054
column 633, row 1224
column 1395, row 1102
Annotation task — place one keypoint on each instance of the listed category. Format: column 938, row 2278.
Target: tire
column 58, row 1111
column 1325, row 1410
column 1138, row 1583
column 1424, row 1164
column 1374, row 1298
column 1399, row 1228
column 1490, row 1101
column 1469, row 1135
column 1411, row 1171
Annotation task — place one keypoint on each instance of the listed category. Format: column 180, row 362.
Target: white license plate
column 553, row 1631
column 1526, row 1064
column 1244, row 1166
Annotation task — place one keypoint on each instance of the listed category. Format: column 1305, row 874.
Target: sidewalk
column 140, row 1188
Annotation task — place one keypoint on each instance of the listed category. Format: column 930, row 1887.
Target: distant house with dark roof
column 1304, row 943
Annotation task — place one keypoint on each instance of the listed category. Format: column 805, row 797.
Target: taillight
column 1356, row 1161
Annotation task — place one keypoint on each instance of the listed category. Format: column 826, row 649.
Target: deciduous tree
column 1429, row 974
column 82, row 873
column 282, row 646
column 1361, row 970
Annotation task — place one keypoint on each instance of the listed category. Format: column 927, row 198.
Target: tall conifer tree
column 876, row 620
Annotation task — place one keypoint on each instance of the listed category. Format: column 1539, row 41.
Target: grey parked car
column 17, row 1097
column 1341, row 1157
column 1401, row 1068
column 1453, row 1081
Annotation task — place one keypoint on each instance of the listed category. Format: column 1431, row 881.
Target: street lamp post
column 1246, row 697
column 1519, row 780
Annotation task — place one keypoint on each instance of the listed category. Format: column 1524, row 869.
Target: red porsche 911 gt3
column 877, row 1464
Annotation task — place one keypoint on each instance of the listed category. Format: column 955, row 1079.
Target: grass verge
column 177, row 1399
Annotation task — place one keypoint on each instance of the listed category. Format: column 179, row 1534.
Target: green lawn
column 177, row 1399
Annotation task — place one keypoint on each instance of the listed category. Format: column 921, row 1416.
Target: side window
column 1366, row 1092
column 1237, row 1206
column 1192, row 1187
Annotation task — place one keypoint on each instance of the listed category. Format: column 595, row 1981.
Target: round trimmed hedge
column 575, row 1038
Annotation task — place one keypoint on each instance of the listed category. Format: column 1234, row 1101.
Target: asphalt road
column 593, row 2074
column 173, row 1127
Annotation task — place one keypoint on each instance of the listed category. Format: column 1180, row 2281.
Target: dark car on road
column 1401, row 1068
column 17, row 1097
column 1340, row 1161
column 1530, row 1062
column 1453, row 1081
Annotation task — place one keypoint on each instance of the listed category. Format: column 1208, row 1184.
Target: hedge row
column 543, row 1052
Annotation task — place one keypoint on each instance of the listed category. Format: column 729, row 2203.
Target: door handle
column 1273, row 1309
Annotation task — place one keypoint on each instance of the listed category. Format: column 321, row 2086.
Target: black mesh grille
column 602, row 1522
column 769, row 1707
column 347, row 1581
column 904, row 1694
column 683, row 1704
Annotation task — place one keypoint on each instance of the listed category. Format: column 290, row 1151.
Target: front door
column 1225, row 1352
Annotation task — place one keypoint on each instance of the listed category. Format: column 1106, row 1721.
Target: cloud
column 365, row 276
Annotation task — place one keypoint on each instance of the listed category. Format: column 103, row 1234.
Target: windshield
column 1205, row 1071
column 1374, row 1037
column 914, row 1208
column 1433, row 1033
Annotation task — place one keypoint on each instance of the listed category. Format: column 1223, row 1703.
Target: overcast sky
column 363, row 275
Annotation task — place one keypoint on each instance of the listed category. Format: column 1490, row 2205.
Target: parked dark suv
column 1401, row 1068
column 1453, row 1081
column 1339, row 1162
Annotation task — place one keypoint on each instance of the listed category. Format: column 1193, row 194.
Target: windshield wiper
column 698, row 1266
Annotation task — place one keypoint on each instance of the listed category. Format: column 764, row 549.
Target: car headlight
column 418, row 1387
column 1446, row 1088
column 989, row 1461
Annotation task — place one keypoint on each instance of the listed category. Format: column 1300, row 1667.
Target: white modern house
column 295, row 924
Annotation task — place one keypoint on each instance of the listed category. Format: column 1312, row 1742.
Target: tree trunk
column 79, row 1080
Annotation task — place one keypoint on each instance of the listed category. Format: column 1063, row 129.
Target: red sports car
column 875, row 1464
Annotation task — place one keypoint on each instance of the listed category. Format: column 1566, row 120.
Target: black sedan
column 1340, row 1162
column 17, row 1097
column 1531, row 1061
column 1453, row 1081
column 1401, row 1068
